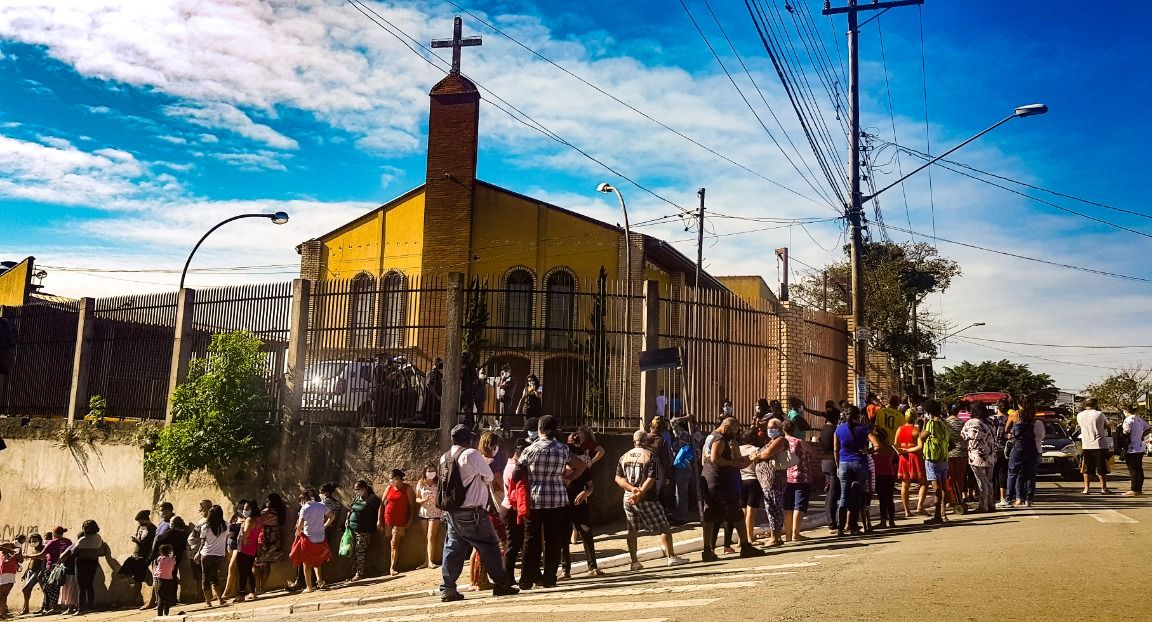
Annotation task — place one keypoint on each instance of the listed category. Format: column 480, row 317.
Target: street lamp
column 606, row 187
column 972, row 325
column 278, row 218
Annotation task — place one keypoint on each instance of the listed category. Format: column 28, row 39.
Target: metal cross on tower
column 456, row 42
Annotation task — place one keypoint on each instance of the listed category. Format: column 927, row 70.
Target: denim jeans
column 467, row 529
column 832, row 492
column 1022, row 476
column 851, row 473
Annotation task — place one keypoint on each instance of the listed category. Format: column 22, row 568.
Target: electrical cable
column 892, row 120
column 927, row 136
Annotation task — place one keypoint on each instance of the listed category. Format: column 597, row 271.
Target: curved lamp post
column 278, row 218
column 605, row 187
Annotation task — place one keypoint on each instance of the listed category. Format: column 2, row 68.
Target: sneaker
column 1003, row 505
column 636, row 566
column 504, row 590
column 934, row 521
column 595, row 572
column 708, row 556
column 451, row 598
column 677, row 561
column 1131, row 493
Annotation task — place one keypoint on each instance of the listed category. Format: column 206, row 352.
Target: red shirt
column 397, row 512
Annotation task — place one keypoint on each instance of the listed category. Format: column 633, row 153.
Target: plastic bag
column 346, row 543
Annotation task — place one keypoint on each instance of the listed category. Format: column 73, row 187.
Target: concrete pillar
column 297, row 353
column 453, row 351
column 792, row 347
column 82, row 361
column 181, row 345
column 651, row 316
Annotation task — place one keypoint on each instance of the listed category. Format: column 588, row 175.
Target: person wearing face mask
column 772, row 480
column 363, row 515
column 399, row 511
column 247, row 546
column 530, row 430
column 531, row 404
column 721, row 463
column 431, row 517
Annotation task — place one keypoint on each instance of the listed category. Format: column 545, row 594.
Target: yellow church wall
column 509, row 230
column 387, row 239
column 14, row 284
column 751, row 289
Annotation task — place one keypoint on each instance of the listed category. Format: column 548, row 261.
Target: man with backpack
column 465, row 480
column 934, row 442
column 683, row 456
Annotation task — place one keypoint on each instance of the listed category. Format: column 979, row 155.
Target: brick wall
column 453, row 123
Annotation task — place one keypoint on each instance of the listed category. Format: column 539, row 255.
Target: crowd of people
column 533, row 505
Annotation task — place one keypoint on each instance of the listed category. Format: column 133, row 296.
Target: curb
column 682, row 547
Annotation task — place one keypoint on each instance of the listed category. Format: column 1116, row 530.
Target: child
column 8, row 567
column 165, row 581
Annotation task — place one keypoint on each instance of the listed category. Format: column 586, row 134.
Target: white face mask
column 429, row 475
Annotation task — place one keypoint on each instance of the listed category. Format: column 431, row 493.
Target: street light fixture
column 972, row 325
column 606, row 188
column 278, row 218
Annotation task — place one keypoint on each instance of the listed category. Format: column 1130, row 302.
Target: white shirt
column 313, row 514
column 748, row 472
column 1093, row 428
column 475, row 474
column 661, row 405
column 1136, row 427
column 1039, row 433
column 214, row 545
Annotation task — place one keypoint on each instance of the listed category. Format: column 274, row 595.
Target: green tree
column 1129, row 386
column 1004, row 375
column 475, row 318
column 212, row 425
column 897, row 278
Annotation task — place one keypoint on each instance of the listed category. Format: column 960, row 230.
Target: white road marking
column 1106, row 516
column 830, row 555
column 515, row 606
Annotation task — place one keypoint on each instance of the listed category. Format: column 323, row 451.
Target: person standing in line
column 334, row 525
column 363, row 516
column 10, row 558
column 911, row 468
column 580, row 489
column 828, row 468
column 796, row 489
column 636, row 475
column 310, row 549
column 531, row 405
column 796, row 411
column 1136, row 429
column 547, row 526
column 772, row 480
column 273, row 517
column 431, row 518
column 86, row 552
column 1093, row 430
column 164, row 576
column 661, row 405
column 998, row 421
column 195, row 542
column 211, row 556
column 751, row 495
column 851, row 444
column 468, row 525
column 684, row 455
column 514, row 508
column 1024, row 458
column 434, row 391
column 400, row 509
column 979, row 440
column 136, row 566
column 505, row 386
column 489, row 448
column 934, row 443
column 885, row 460
column 34, row 572
column 957, row 456
column 247, row 547
column 721, row 463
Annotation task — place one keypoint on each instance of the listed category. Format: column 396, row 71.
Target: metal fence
column 825, row 359
column 132, row 354
column 372, row 345
column 44, row 349
column 262, row 309
column 731, row 350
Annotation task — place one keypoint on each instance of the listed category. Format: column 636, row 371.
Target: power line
column 1025, row 257
column 927, row 136
column 892, row 120
column 1053, row 345
column 627, row 105
column 1032, row 356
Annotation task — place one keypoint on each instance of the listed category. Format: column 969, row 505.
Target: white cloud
column 63, row 174
column 254, row 160
column 226, row 116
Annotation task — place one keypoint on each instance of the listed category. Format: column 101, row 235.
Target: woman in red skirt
column 911, row 464
column 399, row 512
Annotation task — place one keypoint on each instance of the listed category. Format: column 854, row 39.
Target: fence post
column 297, row 352
column 648, row 379
column 453, row 346
column 792, row 352
column 82, row 360
column 181, row 345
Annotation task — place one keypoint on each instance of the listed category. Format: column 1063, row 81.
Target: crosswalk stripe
column 515, row 606
column 1107, row 516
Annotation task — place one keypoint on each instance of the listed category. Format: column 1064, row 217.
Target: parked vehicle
column 362, row 392
column 1059, row 453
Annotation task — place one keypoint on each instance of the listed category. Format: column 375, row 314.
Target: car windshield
column 1054, row 430
column 325, row 371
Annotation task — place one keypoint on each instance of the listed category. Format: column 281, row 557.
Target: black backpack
column 451, row 493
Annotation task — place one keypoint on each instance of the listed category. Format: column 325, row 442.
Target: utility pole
column 782, row 256
column 855, row 206
column 695, row 356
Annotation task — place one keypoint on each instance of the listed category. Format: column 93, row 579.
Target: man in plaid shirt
column 547, row 526
column 636, row 474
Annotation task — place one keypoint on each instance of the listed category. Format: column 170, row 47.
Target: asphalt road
column 1070, row 557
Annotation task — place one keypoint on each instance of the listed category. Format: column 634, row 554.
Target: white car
column 346, row 389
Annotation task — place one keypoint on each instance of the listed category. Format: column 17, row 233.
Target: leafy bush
column 212, row 423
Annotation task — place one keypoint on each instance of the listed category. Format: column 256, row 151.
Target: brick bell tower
column 453, row 125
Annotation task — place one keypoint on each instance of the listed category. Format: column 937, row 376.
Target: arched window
column 518, row 308
column 394, row 303
column 560, row 307
column 361, row 297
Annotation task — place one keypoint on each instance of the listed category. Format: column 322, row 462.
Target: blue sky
column 128, row 128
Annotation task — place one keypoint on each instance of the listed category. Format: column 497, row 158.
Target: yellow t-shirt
column 889, row 420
